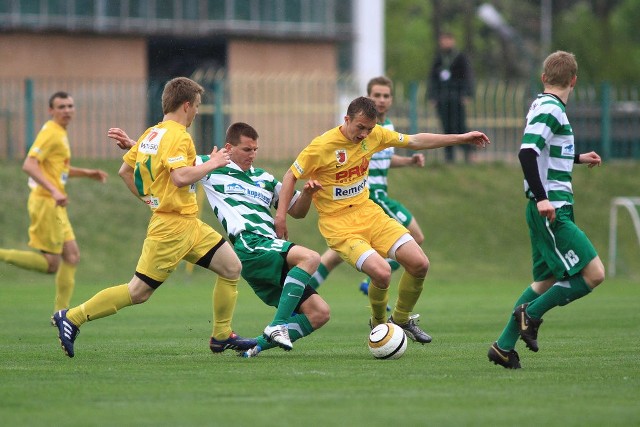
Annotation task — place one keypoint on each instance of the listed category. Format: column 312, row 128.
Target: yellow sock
column 378, row 298
column 65, row 282
column 25, row 259
column 409, row 291
column 225, row 295
column 104, row 303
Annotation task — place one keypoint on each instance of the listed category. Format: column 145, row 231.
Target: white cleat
column 278, row 334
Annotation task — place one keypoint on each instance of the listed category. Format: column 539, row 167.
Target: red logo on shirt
column 357, row 171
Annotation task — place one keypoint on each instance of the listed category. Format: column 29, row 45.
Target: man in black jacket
column 449, row 88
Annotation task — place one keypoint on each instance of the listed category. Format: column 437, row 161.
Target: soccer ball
column 387, row 341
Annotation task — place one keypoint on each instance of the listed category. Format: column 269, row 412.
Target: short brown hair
column 379, row 81
column 60, row 94
column 178, row 91
column 238, row 129
column 559, row 68
column 362, row 105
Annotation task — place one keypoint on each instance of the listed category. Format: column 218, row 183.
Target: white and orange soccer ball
column 387, row 341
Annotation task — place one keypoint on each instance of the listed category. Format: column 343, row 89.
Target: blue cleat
column 364, row 286
column 67, row 331
column 234, row 342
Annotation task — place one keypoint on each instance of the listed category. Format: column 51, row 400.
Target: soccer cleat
column 412, row 330
column 53, row 322
column 527, row 326
column 508, row 359
column 278, row 334
column 67, row 331
column 252, row 352
column 234, row 342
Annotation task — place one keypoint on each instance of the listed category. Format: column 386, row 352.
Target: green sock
column 393, row 264
column 299, row 326
column 319, row 276
column 292, row 291
column 510, row 334
column 561, row 293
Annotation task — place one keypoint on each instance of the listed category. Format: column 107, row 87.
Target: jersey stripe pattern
column 380, row 164
column 549, row 133
column 242, row 201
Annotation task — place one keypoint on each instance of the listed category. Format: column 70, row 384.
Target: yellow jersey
column 342, row 166
column 51, row 149
column 161, row 149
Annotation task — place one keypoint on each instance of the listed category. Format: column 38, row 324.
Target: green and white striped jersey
column 242, row 201
column 379, row 165
column 549, row 133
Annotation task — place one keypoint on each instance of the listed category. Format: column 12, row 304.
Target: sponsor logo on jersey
column 298, row 167
column 345, row 176
column 341, row 157
column 348, row 191
column 401, row 137
column 150, row 144
column 567, row 150
column 175, row 159
column 253, row 193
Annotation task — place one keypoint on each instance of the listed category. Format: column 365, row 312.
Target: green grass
column 150, row 365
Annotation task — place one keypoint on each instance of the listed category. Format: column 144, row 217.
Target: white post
column 631, row 204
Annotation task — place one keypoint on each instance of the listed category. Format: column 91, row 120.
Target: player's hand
column 122, row 139
column 311, row 187
column 219, row 157
column 546, row 209
column 60, row 198
column 477, row 138
column 418, row 160
column 591, row 159
column 281, row 227
column 98, row 175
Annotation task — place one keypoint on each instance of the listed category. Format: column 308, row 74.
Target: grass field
column 150, row 364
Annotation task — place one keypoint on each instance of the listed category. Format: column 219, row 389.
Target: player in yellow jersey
column 351, row 223
column 48, row 165
column 160, row 170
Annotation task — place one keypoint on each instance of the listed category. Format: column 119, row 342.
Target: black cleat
column 508, row 359
column 234, row 342
column 528, row 327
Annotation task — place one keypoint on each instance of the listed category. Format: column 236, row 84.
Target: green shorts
column 559, row 249
column 391, row 207
column 264, row 266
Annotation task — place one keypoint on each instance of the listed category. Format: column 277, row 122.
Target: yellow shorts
column 360, row 230
column 50, row 226
column 172, row 238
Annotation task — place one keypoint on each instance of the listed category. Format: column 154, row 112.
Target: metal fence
column 289, row 110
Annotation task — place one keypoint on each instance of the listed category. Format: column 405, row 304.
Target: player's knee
column 594, row 274
column 311, row 261
column 230, row 269
column 320, row 315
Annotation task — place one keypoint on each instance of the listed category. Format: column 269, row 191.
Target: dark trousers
column 453, row 117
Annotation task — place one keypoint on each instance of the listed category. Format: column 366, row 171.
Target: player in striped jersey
column 160, row 170
column 351, row 223
column 566, row 266
column 380, row 89
column 242, row 197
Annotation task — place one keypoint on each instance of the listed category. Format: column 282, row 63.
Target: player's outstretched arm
column 428, row 141
column 301, row 207
column 188, row 175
